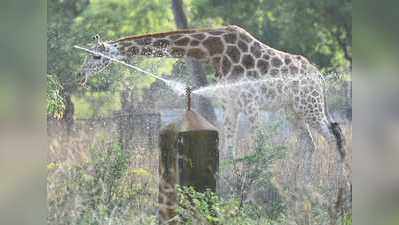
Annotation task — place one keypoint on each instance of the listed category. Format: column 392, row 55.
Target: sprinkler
column 188, row 94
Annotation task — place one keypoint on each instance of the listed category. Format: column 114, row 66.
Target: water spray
column 178, row 87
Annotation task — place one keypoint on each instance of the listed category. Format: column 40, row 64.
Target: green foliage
column 55, row 102
column 259, row 167
column 103, row 188
column 319, row 30
column 62, row 61
column 99, row 189
column 207, row 208
column 203, row 208
column 347, row 220
column 96, row 104
column 75, row 22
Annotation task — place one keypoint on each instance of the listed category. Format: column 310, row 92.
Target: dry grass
column 88, row 184
column 73, row 165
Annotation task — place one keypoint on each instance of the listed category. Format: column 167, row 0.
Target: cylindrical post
column 198, row 159
column 195, row 144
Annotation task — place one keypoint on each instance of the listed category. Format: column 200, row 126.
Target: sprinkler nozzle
column 188, row 94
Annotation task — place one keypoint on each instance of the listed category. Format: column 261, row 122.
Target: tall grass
column 92, row 180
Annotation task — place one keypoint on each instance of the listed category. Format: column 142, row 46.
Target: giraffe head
column 95, row 63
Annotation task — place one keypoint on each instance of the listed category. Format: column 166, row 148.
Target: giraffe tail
column 334, row 127
column 339, row 137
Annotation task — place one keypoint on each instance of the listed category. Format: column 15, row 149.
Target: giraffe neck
column 178, row 44
column 232, row 51
column 206, row 45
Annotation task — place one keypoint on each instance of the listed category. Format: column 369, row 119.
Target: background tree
column 319, row 30
column 198, row 75
column 61, row 60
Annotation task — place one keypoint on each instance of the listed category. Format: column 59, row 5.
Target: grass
column 92, row 180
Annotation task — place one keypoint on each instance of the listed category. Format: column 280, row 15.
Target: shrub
column 100, row 190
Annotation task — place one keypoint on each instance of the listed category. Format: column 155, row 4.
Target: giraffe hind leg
column 230, row 130
column 306, row 144
column 333, row 134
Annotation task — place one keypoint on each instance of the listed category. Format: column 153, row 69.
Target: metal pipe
column 188, row 94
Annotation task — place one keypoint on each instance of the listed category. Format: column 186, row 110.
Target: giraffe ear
column 96, row 37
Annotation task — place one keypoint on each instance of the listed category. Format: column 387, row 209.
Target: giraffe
column 236, row 55
column 287, row 81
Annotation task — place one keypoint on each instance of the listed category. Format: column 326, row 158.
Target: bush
column 197, row 208
column 100, row 190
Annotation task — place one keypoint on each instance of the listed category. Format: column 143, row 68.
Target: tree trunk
column 72, row 9
column 69, row 112
column 180, row 16
column 203, row 105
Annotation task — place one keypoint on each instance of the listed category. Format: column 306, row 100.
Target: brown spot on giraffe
column 183, row 41
column 276, row 62
column 234, row 53
column 216, row 60
column 230, row 38
column 199, row 36
column 133, row 50
column 243, row 46
column 263, row 66
column 214, row 45
column 293, row 69
column 161, row 43
column 147, row 51
column 274, row 72
column 248, row 61
column 237, row 72
column 194, row 42
column 158, row 52
column 256, row 50
column 177, row 52
column 196, row 53
column 226, row 65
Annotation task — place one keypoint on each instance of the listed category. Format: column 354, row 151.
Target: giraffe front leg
column 230, row 129
column 253, row 116
column 306, row 147
column 305, row 190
